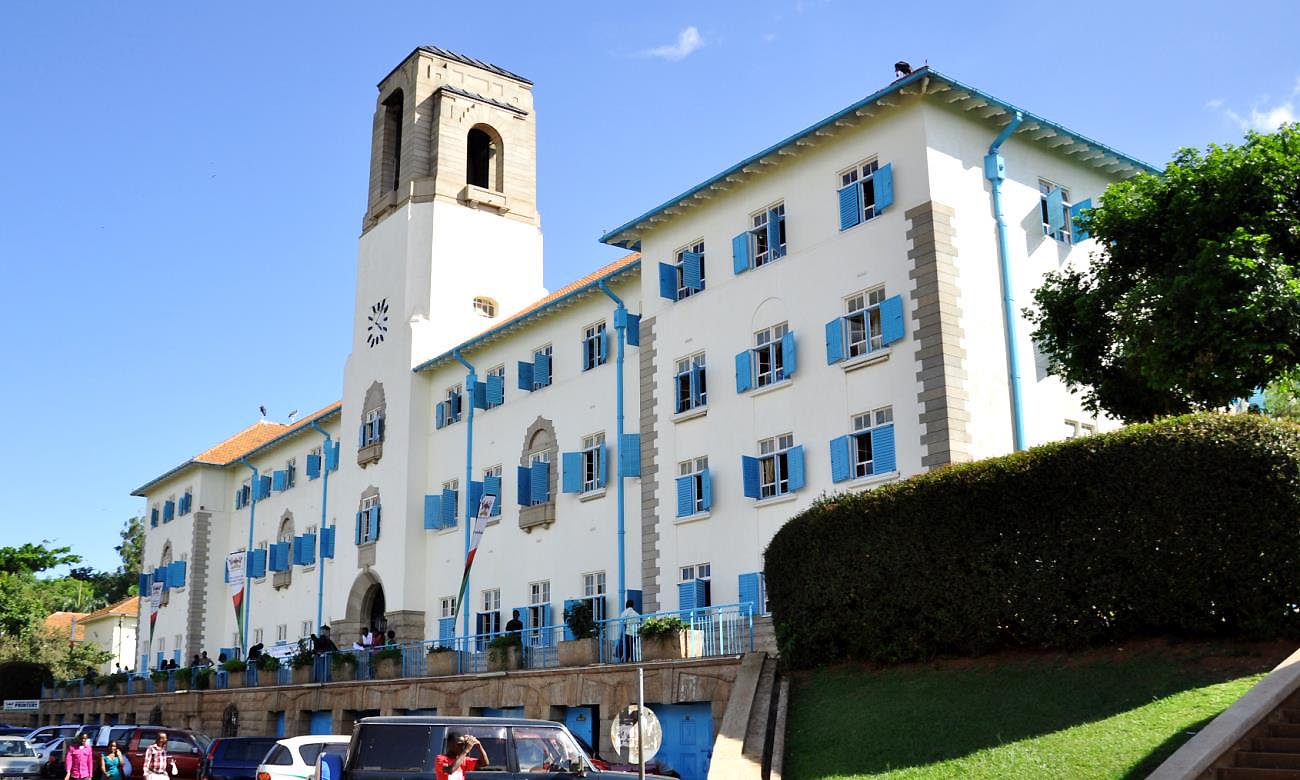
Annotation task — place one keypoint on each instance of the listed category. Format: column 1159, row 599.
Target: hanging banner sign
column 155, row 601
column 235, row 586
column 485, row 504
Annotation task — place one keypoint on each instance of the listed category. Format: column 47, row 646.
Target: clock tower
column 450, row 244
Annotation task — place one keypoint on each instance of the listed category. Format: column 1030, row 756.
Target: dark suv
column 387, row 748
column 234, row 758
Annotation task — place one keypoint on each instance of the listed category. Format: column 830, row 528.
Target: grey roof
column 465, row 93
column 451, row 55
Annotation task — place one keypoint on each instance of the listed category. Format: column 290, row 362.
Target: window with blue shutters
column 869, row 450
column 685, row 276
column 169, row 510
column 595, row 462
column 278, row 480
column 694, row 589
column 450, row 503
column 494, row 387
column 866, row 190
column 372, row 429
column 539, row 478
column 451, row 408
column 262, row 488
column 492, row 486
column 537, row 374
column 778, row 469
column 327, row 542
column 767, row 236
column 368, row 520
column 595, row 346
column 257, row 561
column 752, row 592
column 871, row 323
column 629, row 455
column 691, row 387
column 771, row 360
column 309, row 548
column 187, row 502
column 153, row 517
column 694, row 489
column 537, row 618
column 314, row 464
column 1055, row 208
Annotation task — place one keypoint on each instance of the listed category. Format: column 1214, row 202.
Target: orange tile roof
column 61, row 622
column 129, row 606
column 254, row 436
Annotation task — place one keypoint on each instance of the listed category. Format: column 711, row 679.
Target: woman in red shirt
column 455, row 766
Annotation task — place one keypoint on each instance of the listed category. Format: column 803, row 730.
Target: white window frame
column 774, row 465
column 863, row 174
column 304, row 629
column 501, row 372
column 683, row 291
column 485, row 306
column 768, row 342
column 455, row 399
column 758, row 249
column 447, row 606
column 366, row 504
column 371, row 417
column 682, row 381
column 695, row 468
column 591, row 461
column 491, row 599
column 258, row 636
column 1064, row 235
column 863, row 326
column 593, row 346
column 864, row 425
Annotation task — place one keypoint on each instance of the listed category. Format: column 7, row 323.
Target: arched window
column 484, row 157
column 230, row 722
column 391, row 165
column 485, row 307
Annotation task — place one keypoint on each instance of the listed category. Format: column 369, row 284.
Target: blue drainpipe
column 620, row 325
column 324, row 502
column 995, row 170
column 248, row 581
column 471, row 380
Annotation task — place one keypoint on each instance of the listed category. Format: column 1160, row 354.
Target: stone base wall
column 539, row 692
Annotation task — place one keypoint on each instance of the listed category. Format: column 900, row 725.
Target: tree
column 1194, row 299
column 35, row 558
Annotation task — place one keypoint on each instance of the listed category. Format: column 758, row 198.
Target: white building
column 826, row 315
column 113, row 629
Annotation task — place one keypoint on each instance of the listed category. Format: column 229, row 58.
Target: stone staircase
column 1271, row 751
column 751, row 740
column 764, row 635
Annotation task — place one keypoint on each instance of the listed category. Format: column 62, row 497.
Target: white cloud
column 769, row 37
column 688, row 41
column 1262, row 116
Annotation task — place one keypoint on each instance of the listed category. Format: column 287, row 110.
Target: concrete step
column 760, row 715
column 1254, row 758
column 1277, row 744
column 1256, row 773
column 1284, row 730
column 764, row 635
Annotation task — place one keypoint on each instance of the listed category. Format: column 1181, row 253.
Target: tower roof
column 464, row 59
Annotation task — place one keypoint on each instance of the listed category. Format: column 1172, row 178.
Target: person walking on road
column 156, row 760
column 113, row 763
column 78, row 759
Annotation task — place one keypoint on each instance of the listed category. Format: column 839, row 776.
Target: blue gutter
column 620, row 325
column 471, row 380
column 248, row 581
column 995, row 170
column 920, row 73
column 324, row 503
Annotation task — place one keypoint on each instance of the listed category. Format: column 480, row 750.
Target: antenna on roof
column 293, row 414
column 262, row 409
column 901, row 69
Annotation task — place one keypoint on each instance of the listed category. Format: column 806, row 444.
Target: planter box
column 302, row 675
column 235, row 679
column 343, row 673
column 443, row 664
column 388, row 668
column 579, row 652
column 667, row 647
column 506, row 660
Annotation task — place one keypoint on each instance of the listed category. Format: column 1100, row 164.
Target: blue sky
column 181, row 187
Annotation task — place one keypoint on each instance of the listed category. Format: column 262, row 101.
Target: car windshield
column 15, row 747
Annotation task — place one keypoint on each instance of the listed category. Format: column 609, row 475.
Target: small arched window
column 485, row 306
column 484, row 158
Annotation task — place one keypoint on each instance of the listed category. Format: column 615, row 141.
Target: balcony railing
column 710, row 632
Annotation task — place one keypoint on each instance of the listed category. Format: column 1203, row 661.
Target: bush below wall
column 1185, row 527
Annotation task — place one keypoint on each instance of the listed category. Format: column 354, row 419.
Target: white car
column 294, row 758
column 17, row 759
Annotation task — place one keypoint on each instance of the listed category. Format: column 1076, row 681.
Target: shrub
column 391, row 653
column 158, row 675
column 661, row 626
column 268, row 663
column 580, row 620
column 1185, row 527
column 302, row 657
column 234, row 665
column 340, row 660
column 501, row 644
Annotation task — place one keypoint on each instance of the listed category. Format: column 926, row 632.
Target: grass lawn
column 1113, row 713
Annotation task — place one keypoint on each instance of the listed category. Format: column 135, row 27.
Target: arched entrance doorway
column 367, row 606
column 373, row 609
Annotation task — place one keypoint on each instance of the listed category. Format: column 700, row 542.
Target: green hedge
column 1185, row 527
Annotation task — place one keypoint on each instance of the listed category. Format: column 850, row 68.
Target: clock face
column 378, row 327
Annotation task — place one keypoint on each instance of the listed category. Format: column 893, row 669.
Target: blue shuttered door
column 496, row 389
column 850, row 206
column 892, row 327
column 751, row 591
column 432, row 512
column 1077, row 233
column 668, row 281
column 794, row 461
column 841, row 464
column 744, row 374
column 788, row 355
column 706, row 490
column 629, row 455
column 581, row 722
column 525, row 375
column 541, row 482
column 740, row 253
column 321, row 722
column 327, row 542
column 1055, row 210
column 883, row 185
column 749, row 473
column 693, row 270
column 882, row 450
column 572, row 474
column 834, row 341
column 685, row 496
column 524, row 485
column 687, row 737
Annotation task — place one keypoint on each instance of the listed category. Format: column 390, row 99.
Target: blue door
column 321, row 722
column 504, row 712
column 688, row 738
column 426, row 711
column 279, row 725
column 581, row 721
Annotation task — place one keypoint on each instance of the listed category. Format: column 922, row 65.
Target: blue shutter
column 542, row 369
column 740, row 253
column 572, row 475
column 361, row 435
column 446, row 629
column 540, row 490
column 177, row 574
column 297, row 550
column 883, row 185
column 841, row 462
column 475, row 496
column 586, row 356
column 706, row 490
column 629, row 455
column 144, row 584
column 794, row 462
column 788, row 355
column 257, row 563
column 524, row 487
column 153, row 517
column 282, row 555
column 496, row 389
column 239, row 495
column 1077, row 233
column 279, row 479
column 602, row 465
column 834, row 341
column 774, row 221
column 686, row 592
column 850, row 206
column 432, row 512
column 358, row 529
column 169, row 511
column 751, row 589
column 332, row 457
column 697, row 385
column 308, row 549
column 568, row 607
column 685, row 496
column 548, row 637
column 440, row 414
column 449, row 502
column 274, row 556
column 313, row 466
column 374, row 523
column 693, row 270
column 264, row 487
column 744, row 374
column 478, row 394
column 891, row 319
column 378, row 426
column 1055, row 210
column 634, row 329
column 749, row 473
column 525, row 376
column 160, row 575
column 327, row 542
column 668, row 281
column 493, row 485
column 882, row 450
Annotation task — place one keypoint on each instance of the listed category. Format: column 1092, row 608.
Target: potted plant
column 235, row 669
column 443, row 661
column 505, row 653
column 663, row 638
column 387, row 662
column 303, row 663
column 268, row 670
column 201, row 677
column 343, row 666
column 583, row 649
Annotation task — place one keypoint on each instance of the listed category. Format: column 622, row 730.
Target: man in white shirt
column 630, row 623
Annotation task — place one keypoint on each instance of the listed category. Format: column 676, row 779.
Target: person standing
column 629, row 623
column 455, row 765
column 113, row 763
column 514, row 625
column 78, row 760
column 156, row 759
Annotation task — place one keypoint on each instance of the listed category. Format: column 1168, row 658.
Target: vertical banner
column 155, row 601
column 235, row 586
column 485, row 504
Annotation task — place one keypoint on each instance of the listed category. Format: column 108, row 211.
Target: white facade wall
column 117, row 635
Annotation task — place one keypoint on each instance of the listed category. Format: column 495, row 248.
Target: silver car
column 18, row 759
